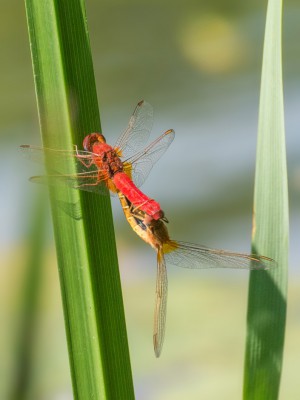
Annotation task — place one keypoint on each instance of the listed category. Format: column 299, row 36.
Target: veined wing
column 160, row 304
column 189, row 255
column 87, row 181
column 141, row 163
column 81, row 173
column 59, row 160
column 138, row 130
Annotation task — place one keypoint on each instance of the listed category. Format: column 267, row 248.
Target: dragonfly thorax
column 112, row 162
column 104, row 155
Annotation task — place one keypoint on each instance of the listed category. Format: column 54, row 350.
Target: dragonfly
column 120, row 168
column 182, row 254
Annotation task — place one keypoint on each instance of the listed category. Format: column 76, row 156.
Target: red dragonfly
column 100, row 166
column 182, row 254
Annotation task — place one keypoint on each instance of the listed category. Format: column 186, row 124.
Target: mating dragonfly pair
column 122, row 169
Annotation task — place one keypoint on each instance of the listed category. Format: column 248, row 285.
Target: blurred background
column 199, row 65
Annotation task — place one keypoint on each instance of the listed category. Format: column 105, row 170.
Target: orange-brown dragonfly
column 182, row 254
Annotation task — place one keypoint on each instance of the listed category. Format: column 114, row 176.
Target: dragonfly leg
column 95, row 183
column 87, row 184
column 100, row 177
column 138, row 214
column 137, row 208
column 82, row 158
column 86, row 164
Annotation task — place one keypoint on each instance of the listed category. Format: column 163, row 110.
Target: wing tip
column 170, row 131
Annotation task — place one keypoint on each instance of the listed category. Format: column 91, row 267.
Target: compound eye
column 87, row 143
column 91, row 139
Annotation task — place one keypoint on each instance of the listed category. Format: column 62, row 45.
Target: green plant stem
column 86, row 251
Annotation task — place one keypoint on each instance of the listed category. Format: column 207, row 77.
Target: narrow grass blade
column 85, row 243
column 267, row 290
column 28, row 302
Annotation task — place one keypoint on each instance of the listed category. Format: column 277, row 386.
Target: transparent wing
column 59, row 160
column 160, row 304
column 138, row 130
column 72, row 209
column 88, row 176
column 139, row 165
column 188, row 255
column 88, row 182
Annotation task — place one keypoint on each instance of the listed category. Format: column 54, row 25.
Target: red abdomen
column 125, row 185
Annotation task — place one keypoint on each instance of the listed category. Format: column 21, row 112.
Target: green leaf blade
column 268, row 290
column 86, row 251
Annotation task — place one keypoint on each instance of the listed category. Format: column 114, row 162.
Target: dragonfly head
column 91, row 139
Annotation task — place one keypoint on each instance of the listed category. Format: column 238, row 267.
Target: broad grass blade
column 268, row 289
